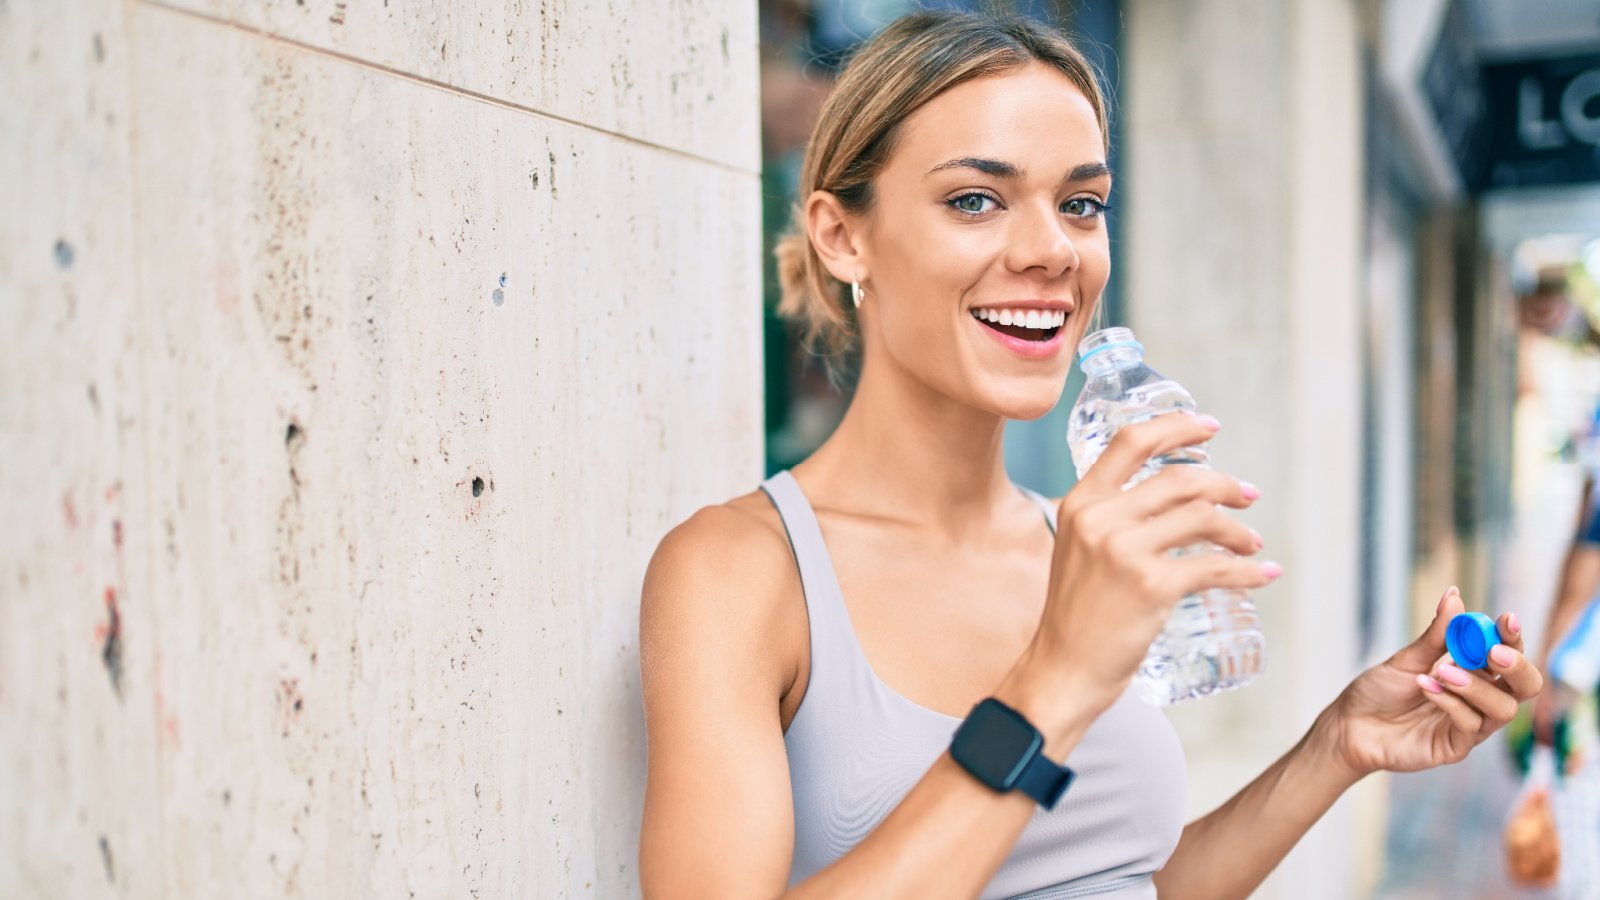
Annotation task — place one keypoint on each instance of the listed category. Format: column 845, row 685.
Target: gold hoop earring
column 856, row 293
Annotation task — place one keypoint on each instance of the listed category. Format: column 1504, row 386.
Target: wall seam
column 444, row 86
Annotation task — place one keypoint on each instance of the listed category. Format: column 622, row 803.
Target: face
column 1549, row 312
column 991, row 206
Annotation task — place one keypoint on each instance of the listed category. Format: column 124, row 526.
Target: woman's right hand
column 1112, row 581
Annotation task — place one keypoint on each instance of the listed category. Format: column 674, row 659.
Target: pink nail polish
column 1429, row 685
column 1513, row 625
column 1250, row 491
column 1453, row 675
column 1502, row 655
column 1271, row 569
column 1209, row 422
column 1257, row 536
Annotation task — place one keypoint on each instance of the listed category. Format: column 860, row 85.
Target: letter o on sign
column 1575, row 100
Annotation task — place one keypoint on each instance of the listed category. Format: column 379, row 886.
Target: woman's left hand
column 1418, row 709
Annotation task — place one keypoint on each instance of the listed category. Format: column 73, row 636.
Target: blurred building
column 1325, row 211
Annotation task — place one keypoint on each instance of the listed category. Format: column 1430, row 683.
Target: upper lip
column 1053, row 305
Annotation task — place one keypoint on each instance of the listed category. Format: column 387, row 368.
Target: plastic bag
column 1533, row 846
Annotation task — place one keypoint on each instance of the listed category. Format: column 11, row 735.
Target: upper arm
column 718, row 818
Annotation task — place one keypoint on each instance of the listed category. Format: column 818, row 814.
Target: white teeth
column 1026, row 318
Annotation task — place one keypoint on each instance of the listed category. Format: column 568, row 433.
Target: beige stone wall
column 357, row 356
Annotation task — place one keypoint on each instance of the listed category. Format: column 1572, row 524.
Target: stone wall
column 357, row 357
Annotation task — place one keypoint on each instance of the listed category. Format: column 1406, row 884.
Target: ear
column 837, row 235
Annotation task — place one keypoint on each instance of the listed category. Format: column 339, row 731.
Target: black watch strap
column 998, row 746
column 1043, row 780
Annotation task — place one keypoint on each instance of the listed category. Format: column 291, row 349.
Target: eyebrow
column 1002, row 169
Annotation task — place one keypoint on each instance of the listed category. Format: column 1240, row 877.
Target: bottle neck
column 1115, row 359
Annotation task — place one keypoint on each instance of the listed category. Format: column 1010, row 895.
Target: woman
column 810, row 649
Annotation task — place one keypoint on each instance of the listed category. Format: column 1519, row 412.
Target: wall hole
column 477, row 487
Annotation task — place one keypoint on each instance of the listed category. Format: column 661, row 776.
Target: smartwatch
column 1000, row 748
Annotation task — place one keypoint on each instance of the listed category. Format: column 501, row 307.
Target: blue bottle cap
column 1469, row 637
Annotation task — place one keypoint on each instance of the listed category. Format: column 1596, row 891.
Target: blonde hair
column 915, row 59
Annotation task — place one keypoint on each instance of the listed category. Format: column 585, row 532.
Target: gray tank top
column 856, row 747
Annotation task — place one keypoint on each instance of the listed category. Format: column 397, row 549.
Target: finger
column 1510, row 628
column 1174, row 486
column 1192, row 574
column 1461, row 715
column 1520, row 678
column 1422, row 654
column 1197, row 521
column 1493, row 704
column 1134, row 445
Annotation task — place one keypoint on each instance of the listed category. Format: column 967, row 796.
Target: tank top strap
column 1045, row 505
column 835, row 653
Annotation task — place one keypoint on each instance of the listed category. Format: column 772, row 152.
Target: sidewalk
column 1445, row 827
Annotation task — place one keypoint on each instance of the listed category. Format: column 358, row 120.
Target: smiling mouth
column 1042, row 330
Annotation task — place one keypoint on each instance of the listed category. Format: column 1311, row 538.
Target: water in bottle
column 1213, row 641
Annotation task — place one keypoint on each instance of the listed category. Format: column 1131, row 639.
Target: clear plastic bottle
column 1213, row 640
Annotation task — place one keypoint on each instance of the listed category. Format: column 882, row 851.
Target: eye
column 973, row 203
column 1084, row 208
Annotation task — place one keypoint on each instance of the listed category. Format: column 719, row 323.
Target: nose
column 1039, row 240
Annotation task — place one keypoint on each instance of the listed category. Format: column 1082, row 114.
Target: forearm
column 1579, row 578
column 950, row 834
column 1229, row 852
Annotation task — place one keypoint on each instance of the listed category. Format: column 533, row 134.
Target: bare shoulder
column 740, row 543
column 724, row 581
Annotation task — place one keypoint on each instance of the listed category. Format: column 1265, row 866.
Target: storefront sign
column 1544, row 121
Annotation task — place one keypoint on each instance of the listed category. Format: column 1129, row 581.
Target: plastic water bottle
column 1213, row 640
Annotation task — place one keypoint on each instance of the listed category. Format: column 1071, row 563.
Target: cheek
column 927, row 271
column 935, row 257
column 1094, row 264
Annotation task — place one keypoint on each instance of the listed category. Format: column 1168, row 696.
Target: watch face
column 994, row 743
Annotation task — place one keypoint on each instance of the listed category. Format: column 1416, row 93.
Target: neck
column 906, row 452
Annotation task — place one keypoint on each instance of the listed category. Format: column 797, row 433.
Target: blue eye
column 972, row 204
column 1084, row 208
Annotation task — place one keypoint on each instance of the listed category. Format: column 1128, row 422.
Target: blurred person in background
column 959, row 167
column 1555, row 340
column 1570, row 645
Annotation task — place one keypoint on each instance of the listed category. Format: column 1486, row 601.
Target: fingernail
column 1250, row 491
column 1513, row 625
column 1429, row 685
column 1502, row 655
column 1453, row 675
column 1257, row 536
column 1209, row 422
column 1271, row 569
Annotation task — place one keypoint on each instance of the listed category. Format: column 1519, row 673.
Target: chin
column 1025, row 400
